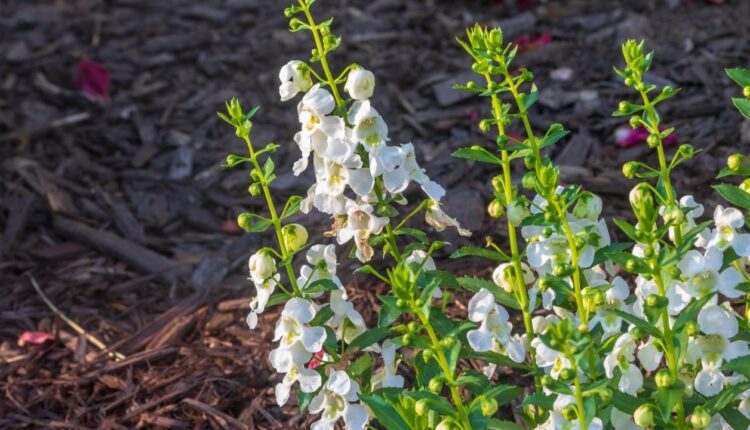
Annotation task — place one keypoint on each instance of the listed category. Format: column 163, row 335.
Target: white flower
column 728, row 221
column 719, row 325
column 369, row 128
column 309, row 381
column 494, row 332
column 360, row 84
column 556, row 421
column 551, row 360
column 435, row 217
column 504, row 276
column 262, row 266
column 704, row 276
column 676, row 296
column 589, row 206
column 615, row 300
column 298, row 340
column 623, row 421
column 295, row 78
column 322, row 258
column 622, row 357
column 397, row 179
column 336, row 400
column 361, row 223
column 420, row 258
column 695, row 211
column 264, row 290
column 388, row 377
column 649, row 355
column 347, row 322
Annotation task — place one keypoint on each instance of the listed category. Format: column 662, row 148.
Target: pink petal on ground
column 93, row 79
column 527, row 42
column 34, row 338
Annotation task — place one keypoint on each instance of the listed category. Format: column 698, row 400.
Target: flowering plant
column 671, row 352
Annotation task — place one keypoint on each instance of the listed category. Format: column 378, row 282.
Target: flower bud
column 294, row 236
column 745, row 185
column 583, row 328
column 528, row 181
column 736, row 161
column 631, row 265
column 496, row 209
column 652, row 140
column 254, row 189
column 692, row 328
column 472, row 85
column 642, row 201
column 700, row 418
column 746, row 92
column 686, row 150
column 412, row 326
column 418, row 303
column 644, row 415
column 517, row 212
column 547, row 381
column 570, row 412
column 427, row 354
column 629, row 82
column 485, row 125
column 655, row 301
column 407, row 339
column 673, row 214
column 606, row 395
column 448, row 342
column 503, row 275
column 496, row 38
column 262, row 266
column 629, row 169
column 488, row 406
column 435, row 385
column 548, row 177
column 401, row 303
column 422, row 407
column 635, row 121
column 360, row 84
column 567, row 374
column 588, row 206
column 497, row 184
column 636, row 333
column 664, row 378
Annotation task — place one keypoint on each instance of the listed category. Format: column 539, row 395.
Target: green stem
column 442, row 361
column 321, row 53
column 275, row 219
column 579, row 395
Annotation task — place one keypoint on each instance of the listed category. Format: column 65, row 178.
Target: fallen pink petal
column 34, row 338
column 93, row 79
column 528, row 42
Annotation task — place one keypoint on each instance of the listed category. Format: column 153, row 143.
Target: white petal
column 691, row 263
column 313, row 338
column 480, row 340
column 480, row 305
column 649, row 356
column 300, row 310
column 361, row 181
column 355, row 417
column 741, row 244
column 433, row 190
column 282, row 392
column 728, row 281
column 631, row 380
column 339, row 383
column 709, row 382
column 714, row 319
column 309, row 380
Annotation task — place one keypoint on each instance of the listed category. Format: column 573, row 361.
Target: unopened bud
column 295, row 237
column 629, row 82
column 692, row 328
column 547, row 381
column 489, row 407
column 497, row 184
column 686, row 150
column 422, row 407
column 642, row 201
column 652, row 140
column 528, row 181
column 735, row 162
column 517, row 212
column 435, row 385
column 746, row 92
column 629, row 169
column 496, row 37
column 745, row 185
column 631, row 265
column 570, row 412
column 623, row 106
column 700, row 418
column 496, row 209
column 635, row 121
column 606, row 395
column 654, row 301
column 407, row 339
column 644, row 415
column 567, row 374
column 664, row 378
column 448, row 342
column 588, row 206
column 254, row 189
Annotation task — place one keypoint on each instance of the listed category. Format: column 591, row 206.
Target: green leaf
column 384, row 412
column 413, row 232
column 492, row 357
column 268, row 168
column 601, row 254
column 253, row 223
column 531, row 98
column 742, row 171
column 477, row 153
column 627, row 228
column 691, row 312
column 304, row 399
column 278, row 298
column 545, row 401
column 622, row 258
column 436, row 402
column 291, row 207
column 727, row 396
column 743, row 105
column 471, row 251
column 740, row 365
column 503, row 393
column 321, row 286
column 389, row 311
column 625, row 402
column 740, row 76
column 641, row 324
column 501, row 296
column 361, row 365
column 322, row 316
column 734, row 418
column 369, row 337
column 555, row 132
column 666, row 399
column 503, row 425
column 734, row 194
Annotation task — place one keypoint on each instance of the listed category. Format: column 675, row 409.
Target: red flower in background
column 527, row 42
column 626, row 137
column 93, row 79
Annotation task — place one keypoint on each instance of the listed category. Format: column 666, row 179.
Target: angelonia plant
column 640, row 334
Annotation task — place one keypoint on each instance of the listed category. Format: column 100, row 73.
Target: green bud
column 435, row 385
column 673, row 214
column 652, row 140
column 233, row 160
column 448, row 342
column 547, row 381
column 636, row 333
column 560, row 269
column 496, row 209
column 517, row 212
column 401, row 303
column 700, row 418
column 736, row 161
column 422, row 407
column 554, row 344
column 644, row 415
column 254, row 189
column 599, row 298
column 528, row 181
column 497, row 184
column 547, row 231
column 648, row 252
column 479, row 67
column 496, row 38
column 485, row 125
column 488, row 406
column 606, row 395
column 686, row 150
column 588, row 206
column 579, row 242
column 623, row 106
column 567, row 374
column 629, row 169
column 642, row 201
column 631, row 265
column 407, row 339
column 745, row 185
column 245, row 221
column 472, row 85
column 295, row 24
column 583, row 328
column 746, row 92
column 570, row 412
column 412, row 326
column 419, row 303
column 635, row 121
column 528, row 161
column 664, row 378
column 289, row 12
column 629, row 82
column 294, row 236
column 427, row 354
column 655, row 301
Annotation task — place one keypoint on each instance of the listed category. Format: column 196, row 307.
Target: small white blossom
column 388, row 377
column 494, row 332
column 361, row 223
column 347, row 322
column 337, row 400
column 435, row 217
column 298, row 340
column 622, row 357
column 704, row 274
column 309, row 381
column 615, row 298
column 360, row 84
column 295, row 78
column 725, row 235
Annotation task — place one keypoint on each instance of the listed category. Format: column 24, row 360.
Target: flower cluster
column 630, row 335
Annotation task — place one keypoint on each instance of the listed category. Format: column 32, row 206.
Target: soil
column 118, row 208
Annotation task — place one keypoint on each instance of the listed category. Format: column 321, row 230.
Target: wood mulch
column 119, row 210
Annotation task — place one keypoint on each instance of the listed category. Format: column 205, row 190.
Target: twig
column 78, row 329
